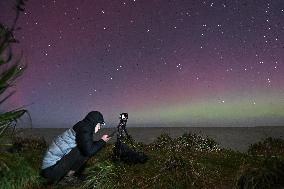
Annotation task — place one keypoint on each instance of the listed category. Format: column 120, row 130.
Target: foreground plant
column 187, row 141
column 268, row 175
column 268, row 170
column 268, row 147
column 101, row 175
column 10, row 74
column 178, row 164
column 16, row 172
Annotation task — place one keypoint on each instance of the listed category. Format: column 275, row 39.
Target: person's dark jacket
column 84, row 134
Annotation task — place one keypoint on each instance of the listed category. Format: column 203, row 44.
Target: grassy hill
column 188, row 161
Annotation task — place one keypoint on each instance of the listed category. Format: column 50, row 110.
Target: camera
column 123, row 118
column 121, row 128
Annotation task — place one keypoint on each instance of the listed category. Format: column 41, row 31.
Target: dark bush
column 268, row 147
column 21, row 144
column 270, row 174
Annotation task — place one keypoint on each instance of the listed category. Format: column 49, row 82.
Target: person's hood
column 93, row 118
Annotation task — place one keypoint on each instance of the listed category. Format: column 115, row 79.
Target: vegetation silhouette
column 11, row 68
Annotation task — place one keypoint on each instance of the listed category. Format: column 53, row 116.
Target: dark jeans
column 74, row 160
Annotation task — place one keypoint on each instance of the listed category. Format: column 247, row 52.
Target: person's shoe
column 67, row 180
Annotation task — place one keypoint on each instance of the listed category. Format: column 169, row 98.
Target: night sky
column 183, row 62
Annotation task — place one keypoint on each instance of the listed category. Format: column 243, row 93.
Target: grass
column 16, row 172
column 188, row 161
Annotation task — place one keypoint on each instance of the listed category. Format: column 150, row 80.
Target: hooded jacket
column 84, row 133
column 80, row 135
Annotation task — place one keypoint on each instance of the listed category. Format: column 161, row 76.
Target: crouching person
column 69, row 151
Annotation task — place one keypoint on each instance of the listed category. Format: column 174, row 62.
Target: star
column 137, row 43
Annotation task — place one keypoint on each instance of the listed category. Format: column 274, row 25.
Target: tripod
column 121, row 135
column 122, row 151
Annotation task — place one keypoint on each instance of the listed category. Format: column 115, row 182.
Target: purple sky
column 199, row 63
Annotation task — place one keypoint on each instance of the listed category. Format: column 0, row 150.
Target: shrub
column 268, row 147
column 22, row 144
column 187, row 141
column 268, row 175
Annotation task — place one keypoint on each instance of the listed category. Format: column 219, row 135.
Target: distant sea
column 236, row 138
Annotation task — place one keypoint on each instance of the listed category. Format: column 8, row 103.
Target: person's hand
column 106, row 138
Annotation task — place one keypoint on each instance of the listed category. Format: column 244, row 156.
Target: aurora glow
column 189, row 63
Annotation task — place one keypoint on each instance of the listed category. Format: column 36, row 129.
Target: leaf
column 20, row 8
column 2, row 61
column 12, row 115
column 6, row 76
column 3, row 46
column 9, row 55
column 8, row 96
column 3, row 127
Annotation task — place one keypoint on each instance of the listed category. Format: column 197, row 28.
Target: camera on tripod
column 123, row 118
column 121, row 128
column 122, row 151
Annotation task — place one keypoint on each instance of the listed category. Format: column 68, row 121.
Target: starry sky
column 165, row 62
